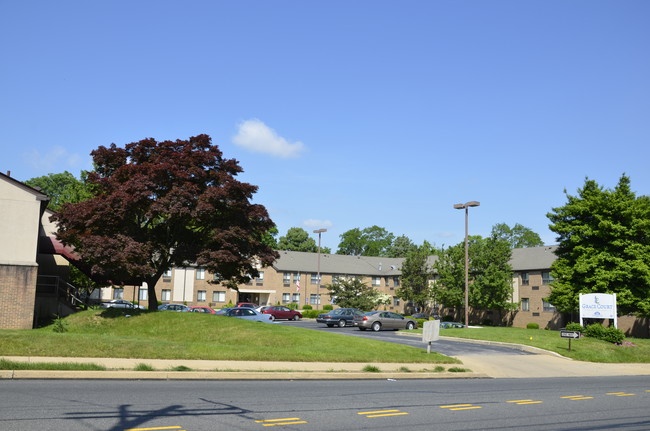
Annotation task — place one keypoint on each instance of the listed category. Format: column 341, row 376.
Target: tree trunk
column 151, row 293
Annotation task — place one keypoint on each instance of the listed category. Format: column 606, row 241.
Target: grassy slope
column 584, row 349
column 169, row 335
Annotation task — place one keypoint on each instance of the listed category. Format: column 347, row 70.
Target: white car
column 248, row 314
column 121, row 303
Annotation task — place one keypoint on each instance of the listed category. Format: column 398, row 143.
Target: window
column 218, row 296
column 395, row 301
column 314, row 279
column 286, row 298
column 376, row 281
column 200, row 295
column 547, row 306
column 314, row 299
column 286, row 278
column 296, row 277
column 260, row 279
column 524, row 279
column 525, row 304
column 118, row 293
column 547, row 278
column 143, row 294
column 295, row 298
column 200, row 274
column 396, row 281
column 166, row 295
column 167, row 276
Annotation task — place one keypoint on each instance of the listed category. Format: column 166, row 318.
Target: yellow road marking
column 277, row 420
column 283, row 421
column 461, row 407
column 381, row 413
column 525, row 402
column 620, row 394
column 577, row 397
column 156, row 428
column 387, row 414
column 455, row 405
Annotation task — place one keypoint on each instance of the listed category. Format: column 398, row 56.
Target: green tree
column 351, row 292
column 604, row 247
column 401, row 247
column 414, row 282
column 518, row 236
column 297, row 239
column 371, row 241
column 157, row 205
column 490, row 274
column 62, row 188
column 270, row 239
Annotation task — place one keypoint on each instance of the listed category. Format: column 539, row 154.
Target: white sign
column 430, row 332
column 598, row 306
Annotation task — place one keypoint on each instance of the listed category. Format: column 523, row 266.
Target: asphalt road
column 572, row 404
column 449, row 348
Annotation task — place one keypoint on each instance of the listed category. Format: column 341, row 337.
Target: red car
column 201, row 309
column 282, row 312
column 247, row 304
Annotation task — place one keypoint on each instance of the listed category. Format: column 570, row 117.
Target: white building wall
column 183, row 289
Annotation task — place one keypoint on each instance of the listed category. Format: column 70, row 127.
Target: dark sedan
column 340, row 317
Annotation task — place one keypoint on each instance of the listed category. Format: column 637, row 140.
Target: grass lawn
column 583, row 349
column 170, row 335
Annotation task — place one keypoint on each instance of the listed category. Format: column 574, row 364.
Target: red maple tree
column 157, row 205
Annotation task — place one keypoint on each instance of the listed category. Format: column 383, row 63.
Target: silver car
column 121, row 303
column 378, row 320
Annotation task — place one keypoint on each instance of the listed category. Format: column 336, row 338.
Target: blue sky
column 345, row 113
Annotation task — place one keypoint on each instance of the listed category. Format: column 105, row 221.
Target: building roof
column 531, row 258
column 297, row 261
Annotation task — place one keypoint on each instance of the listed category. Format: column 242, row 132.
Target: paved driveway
column 446, row 347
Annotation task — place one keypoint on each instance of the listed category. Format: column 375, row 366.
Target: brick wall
column 17, row 296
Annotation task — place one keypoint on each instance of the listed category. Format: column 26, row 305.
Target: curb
column 201, row 375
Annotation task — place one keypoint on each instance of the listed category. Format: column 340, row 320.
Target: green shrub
column 371, row 369
column 572, row 326
column 310, row 314
column 59, row 325
column 307, row 307
column 532, row 326
column 143, row 367
column 328, row 307
column 293, row 306
column 611, row 334
column 487, row 322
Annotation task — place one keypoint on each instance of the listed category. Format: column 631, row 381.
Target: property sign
column 598, row 306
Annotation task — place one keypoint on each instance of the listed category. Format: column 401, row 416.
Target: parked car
column 247, row 304
column 248, row 314
column 378, row 320
column 201, row 309
column 340, row 317
column 445, row 325
column 425, row 316
column 173, row 307
column 282, row 312
column 223, row 311
column 121, row 303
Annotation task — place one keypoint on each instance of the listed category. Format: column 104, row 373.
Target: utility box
column 430, row 332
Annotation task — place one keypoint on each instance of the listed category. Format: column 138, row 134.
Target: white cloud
column 317, row 224
column 56, row 159
column 256, row 136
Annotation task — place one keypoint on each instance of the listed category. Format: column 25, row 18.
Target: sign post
column 430, row 332
column 571, row 335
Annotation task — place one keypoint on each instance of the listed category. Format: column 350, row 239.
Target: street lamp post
column 466, row 206
column 319, row 232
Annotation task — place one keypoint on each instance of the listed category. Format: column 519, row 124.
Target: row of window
column 546, row 306
column 547, row 278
